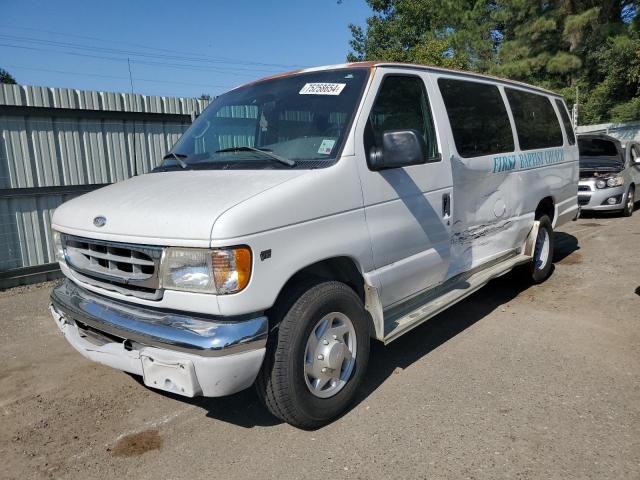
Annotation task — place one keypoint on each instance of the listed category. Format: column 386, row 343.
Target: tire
column 542, row 261
column 284, row 384
column 629, row 202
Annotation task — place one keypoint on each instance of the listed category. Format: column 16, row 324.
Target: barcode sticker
column 322, row 89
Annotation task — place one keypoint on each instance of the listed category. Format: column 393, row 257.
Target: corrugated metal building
column 57, row 143
column 622, row 131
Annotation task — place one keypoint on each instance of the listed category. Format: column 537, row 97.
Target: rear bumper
column 179, row 353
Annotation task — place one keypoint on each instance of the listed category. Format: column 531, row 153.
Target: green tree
column 533, row 47
column 613, row 94
column 5, row 77
column 563, row 45
column 566, row 45
column 445, row 33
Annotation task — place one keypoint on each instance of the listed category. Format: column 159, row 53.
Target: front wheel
column 630, row 203
column 316, row 359
column 542, row 261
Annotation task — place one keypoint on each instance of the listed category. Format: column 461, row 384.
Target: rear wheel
column 542, row 261
column 630, row 202
column 317, row 358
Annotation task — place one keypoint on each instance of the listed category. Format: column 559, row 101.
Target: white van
column 301, row 215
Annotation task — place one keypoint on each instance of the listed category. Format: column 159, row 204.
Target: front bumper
column 596, row 198
column 172, row 351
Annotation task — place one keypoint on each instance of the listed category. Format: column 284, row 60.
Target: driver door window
column 402, row 104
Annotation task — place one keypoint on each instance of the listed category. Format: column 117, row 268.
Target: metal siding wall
column 47, row 151
column 25, row 235
column 39, row 152
column 622, row 131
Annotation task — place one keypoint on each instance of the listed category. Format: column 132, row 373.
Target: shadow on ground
column 607, row 214
column 245, row 410
column 563, row 246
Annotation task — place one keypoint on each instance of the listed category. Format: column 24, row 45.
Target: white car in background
column 609, row 173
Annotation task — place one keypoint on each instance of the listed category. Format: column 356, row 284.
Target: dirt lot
column 514, row 382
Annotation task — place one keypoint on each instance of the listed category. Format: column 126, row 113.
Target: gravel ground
column 514, row 382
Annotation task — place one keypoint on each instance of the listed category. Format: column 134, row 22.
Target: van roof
column 411, row 66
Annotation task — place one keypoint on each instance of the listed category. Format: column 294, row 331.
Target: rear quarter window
column 478, row 117
column 536, row 121
column 566, row 121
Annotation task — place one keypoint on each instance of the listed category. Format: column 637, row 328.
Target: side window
column 536, row 122
column 478, row 117
column 566, row 121
column 402, row 104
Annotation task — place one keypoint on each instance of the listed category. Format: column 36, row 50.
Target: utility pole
column 574, row 110
column 133, row 98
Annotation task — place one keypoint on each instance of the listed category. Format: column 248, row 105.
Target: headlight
column 615, row 181
column 601, row 183
column 57, row 246
column 231, row 269
column 220, row 270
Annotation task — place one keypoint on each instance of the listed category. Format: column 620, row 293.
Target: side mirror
column 400, row 148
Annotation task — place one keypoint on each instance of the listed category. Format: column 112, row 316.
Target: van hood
column 176, row 208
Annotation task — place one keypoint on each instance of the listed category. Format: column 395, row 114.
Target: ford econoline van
column 303, row 215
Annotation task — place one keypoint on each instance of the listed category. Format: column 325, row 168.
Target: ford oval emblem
column 99, row 221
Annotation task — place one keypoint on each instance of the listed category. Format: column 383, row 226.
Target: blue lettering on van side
column 504, row 163
column 527, row 160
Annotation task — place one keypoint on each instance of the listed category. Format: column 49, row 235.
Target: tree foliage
column 5, row 77
column 589, row 46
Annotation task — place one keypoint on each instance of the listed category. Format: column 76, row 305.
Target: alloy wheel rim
column 330, row 355
column 630, row 200
column 541, row 253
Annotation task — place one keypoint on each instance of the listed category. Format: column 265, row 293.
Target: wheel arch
column 341, row 268
column 546, row 206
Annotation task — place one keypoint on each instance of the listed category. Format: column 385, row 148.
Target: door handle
column 446, row 205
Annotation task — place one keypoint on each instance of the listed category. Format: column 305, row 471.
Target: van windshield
column 293, row 121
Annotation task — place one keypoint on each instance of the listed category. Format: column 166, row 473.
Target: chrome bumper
column 173, row 352
column 149, row 327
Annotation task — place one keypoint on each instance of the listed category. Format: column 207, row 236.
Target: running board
column 414, row 312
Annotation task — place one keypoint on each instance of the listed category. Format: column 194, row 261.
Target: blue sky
column 176, row 48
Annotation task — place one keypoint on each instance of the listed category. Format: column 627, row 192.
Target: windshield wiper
column 178, row 157
column 264, row 151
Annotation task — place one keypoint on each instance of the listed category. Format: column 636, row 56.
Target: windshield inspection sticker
column 326, row 146
column 322, row 89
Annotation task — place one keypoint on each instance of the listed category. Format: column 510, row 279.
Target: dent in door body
column 482, row 226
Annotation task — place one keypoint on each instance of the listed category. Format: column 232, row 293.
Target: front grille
column 122, row 267
column 583, row 199
column 584, row 188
